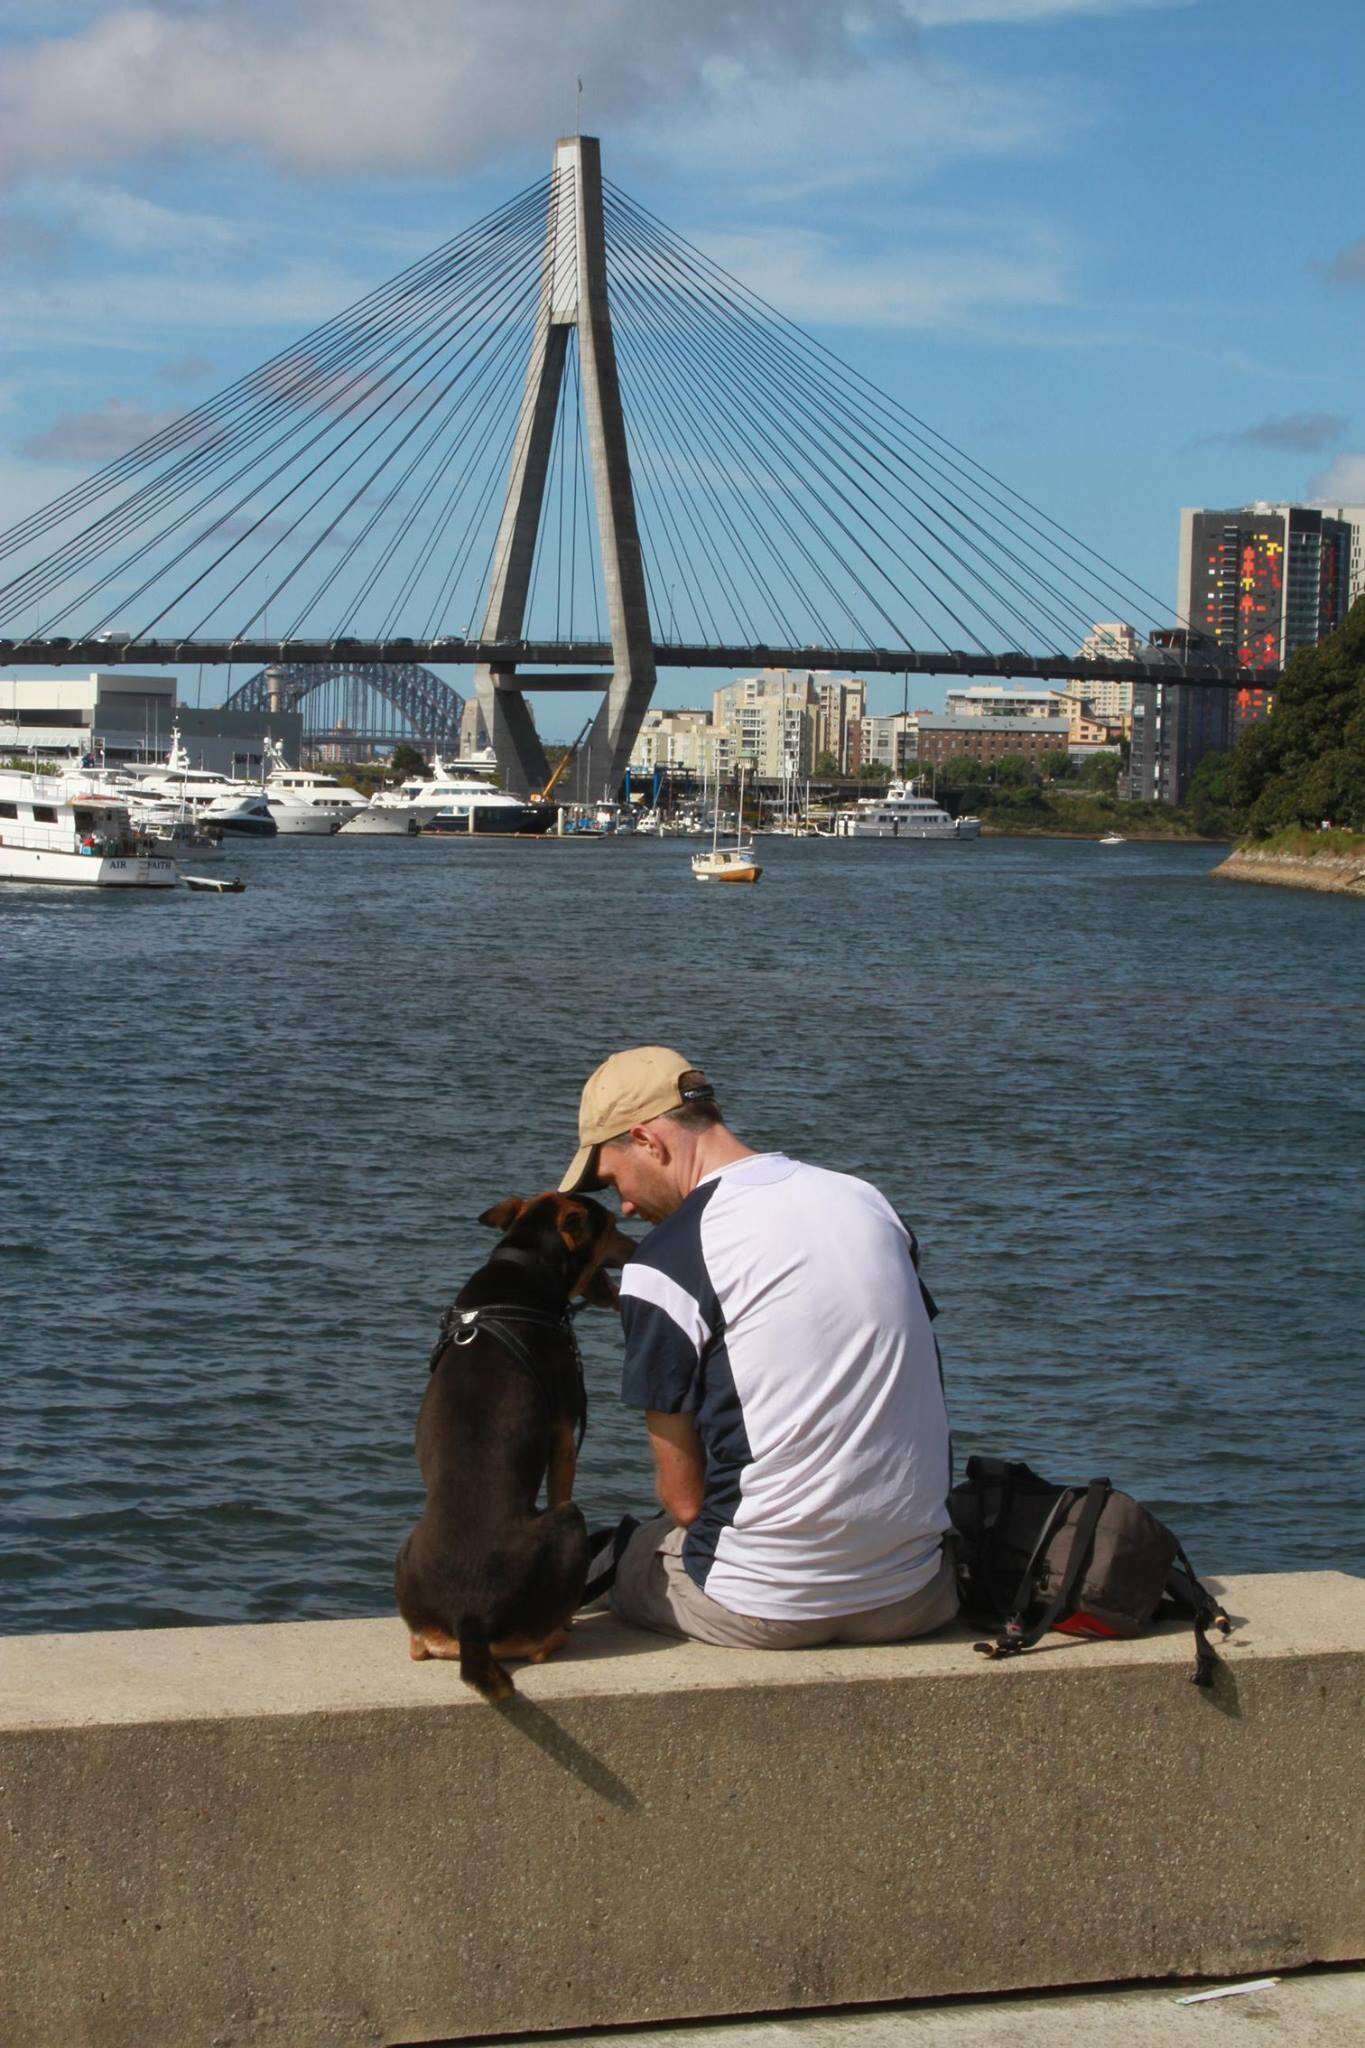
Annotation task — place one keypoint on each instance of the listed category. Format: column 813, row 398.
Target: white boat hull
column 379, row 824
column 965, row 828
column 304, row 820
column 87, row 870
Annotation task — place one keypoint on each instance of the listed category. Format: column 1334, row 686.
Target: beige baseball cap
column 627, row 1089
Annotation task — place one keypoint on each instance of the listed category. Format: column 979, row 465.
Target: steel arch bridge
column 358, row 706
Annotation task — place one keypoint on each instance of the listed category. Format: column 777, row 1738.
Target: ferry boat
column 303, row 802
column 57, row 828
column 902, row 814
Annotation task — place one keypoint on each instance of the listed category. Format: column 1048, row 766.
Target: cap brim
column 581, row 1177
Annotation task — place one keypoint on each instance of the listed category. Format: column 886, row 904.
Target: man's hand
column 679, row 1464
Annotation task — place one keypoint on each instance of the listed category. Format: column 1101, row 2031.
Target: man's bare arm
column 679, row 1464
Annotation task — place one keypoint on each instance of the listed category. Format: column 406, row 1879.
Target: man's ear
column 503, row 1214
column 600, row 1289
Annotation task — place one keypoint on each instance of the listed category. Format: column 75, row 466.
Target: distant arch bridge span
column 358, row 704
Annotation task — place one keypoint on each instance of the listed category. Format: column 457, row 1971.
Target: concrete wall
column 293, row 1835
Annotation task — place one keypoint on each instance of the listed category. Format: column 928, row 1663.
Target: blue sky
column 1115, row 248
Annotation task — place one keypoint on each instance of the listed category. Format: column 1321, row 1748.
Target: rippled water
column 245, row 1141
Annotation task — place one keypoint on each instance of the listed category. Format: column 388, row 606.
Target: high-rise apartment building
column 1263, row 580
column 1108, row 640
column 774, row 719
column 1354, row 517
column 842, row 708
column 1174, row 726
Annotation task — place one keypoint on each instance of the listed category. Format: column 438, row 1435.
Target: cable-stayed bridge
column 566, row 448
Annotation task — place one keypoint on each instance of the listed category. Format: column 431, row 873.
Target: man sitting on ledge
column 778, row 1343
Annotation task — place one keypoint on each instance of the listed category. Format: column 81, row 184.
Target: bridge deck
column 508, row 657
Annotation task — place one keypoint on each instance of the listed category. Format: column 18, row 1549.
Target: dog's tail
column 481, row 1669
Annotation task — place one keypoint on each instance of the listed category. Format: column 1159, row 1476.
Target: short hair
column 700, row 1114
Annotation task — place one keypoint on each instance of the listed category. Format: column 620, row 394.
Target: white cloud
column 129, row 222
column 1341, row 483
column 95, row 311
column 1022, row 13
column 339, row 86
column 818, row 280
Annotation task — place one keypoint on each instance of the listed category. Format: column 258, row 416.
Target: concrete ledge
column 292, row 1835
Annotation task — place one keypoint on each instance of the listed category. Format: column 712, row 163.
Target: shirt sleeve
column 666, row 1336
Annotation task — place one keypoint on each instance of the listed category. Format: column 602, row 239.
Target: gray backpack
column 1085, row 1560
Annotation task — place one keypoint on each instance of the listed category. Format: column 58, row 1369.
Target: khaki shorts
column 653, row 1591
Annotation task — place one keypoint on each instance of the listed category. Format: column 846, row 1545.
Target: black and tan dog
column 486, row 1573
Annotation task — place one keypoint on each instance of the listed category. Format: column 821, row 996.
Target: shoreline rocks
column 1331, row 873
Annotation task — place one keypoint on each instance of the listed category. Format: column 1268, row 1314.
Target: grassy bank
column 1034, row 812
column 1297, row 842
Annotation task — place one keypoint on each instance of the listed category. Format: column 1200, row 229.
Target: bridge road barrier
column 292, row 1835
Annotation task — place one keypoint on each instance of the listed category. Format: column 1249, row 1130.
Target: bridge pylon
column 573, row 295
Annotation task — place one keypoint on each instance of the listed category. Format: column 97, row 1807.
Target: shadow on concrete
column 561, row 1748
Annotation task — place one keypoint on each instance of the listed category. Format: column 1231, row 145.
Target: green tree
column 874, row 771
column 405, row 761
column 1306, row 760
column 1100, row 771
column 1057, row 765
column 826, row 765
column 1015, row 769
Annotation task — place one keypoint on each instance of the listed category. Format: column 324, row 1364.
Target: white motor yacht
column 58, row 828
column 304, row 802
column 210, row 799
column 902, row 814
column 448, row 801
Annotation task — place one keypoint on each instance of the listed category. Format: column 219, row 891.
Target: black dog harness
column 494, row 1319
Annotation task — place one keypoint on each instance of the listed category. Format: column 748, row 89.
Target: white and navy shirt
column 779, row 1308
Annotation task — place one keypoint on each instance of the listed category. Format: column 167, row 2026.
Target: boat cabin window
column 43, row 814
column 9, row 810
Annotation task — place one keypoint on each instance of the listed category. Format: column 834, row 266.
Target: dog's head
column 572, row 1231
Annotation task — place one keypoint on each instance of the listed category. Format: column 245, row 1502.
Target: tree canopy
column 1306, row 761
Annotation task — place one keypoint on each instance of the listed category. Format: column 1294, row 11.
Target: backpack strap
column 1190, row 1596
column 1016, row 1635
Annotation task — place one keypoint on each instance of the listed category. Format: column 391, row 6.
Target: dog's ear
column 574, row 1225
column 503, row 1214
column 600, row 1290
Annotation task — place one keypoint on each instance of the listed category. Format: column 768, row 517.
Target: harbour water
column 246, row 1139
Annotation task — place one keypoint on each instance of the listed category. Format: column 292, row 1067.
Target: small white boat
column 215, row 885
column 57, row 828
column 727, row 863
column 1112, row 839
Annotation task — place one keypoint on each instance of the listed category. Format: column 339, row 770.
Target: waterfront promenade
column 293, row 1835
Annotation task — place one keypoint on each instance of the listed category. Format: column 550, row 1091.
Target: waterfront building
column 1109, row 640
column 769, row 720
column 1263, row 580
column 1174, row 726
column 683, row 741
column 997, row 700
column 122, row 717
column 1354, row 517
column 841, row 708
column 889, row 742
column 945, row 736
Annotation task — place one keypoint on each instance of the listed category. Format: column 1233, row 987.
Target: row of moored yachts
column 127, row 827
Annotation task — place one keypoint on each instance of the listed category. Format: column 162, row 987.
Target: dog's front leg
column 563, row 1466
